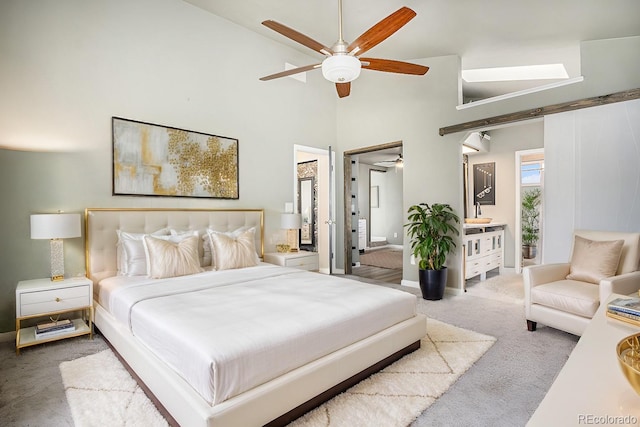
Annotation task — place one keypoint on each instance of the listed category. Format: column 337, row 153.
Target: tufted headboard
column 101, row 225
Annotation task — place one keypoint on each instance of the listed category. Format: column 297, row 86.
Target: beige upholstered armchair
column 566, row 296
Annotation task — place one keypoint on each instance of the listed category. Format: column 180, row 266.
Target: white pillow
column 130, row 255
column 234, row 250
column 594, row 260
column 170, row 259
column 203, row 232
column 208, row 257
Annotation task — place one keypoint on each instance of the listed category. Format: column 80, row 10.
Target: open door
column 314, row 166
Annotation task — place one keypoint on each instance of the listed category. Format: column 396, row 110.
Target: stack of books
column 45, row 330
column 625, row 309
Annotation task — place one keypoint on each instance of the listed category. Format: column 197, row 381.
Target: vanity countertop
column 489, row 224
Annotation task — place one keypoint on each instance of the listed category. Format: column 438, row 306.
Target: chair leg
column 531, row 325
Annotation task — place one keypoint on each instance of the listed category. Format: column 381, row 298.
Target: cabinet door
column 473, row 247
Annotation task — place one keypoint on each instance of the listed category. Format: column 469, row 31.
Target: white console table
column 591, row 386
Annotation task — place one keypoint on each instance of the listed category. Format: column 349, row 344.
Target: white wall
column 387, row 220
column 592, row 174
column 68, row 66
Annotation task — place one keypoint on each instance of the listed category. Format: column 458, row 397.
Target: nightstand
column 302, row 260
column 42, row 297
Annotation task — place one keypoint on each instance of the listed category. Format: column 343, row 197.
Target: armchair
column 565, row 296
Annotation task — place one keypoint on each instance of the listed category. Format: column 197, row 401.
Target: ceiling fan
column 343, row 62
column 397, row 162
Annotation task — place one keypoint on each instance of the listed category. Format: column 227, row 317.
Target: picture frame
column 156, row 160
column 484, row 191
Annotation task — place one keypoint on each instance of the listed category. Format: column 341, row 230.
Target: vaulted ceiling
column 484, row 33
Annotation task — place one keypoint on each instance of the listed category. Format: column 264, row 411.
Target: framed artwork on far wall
column 484, row 190
column 155, row 160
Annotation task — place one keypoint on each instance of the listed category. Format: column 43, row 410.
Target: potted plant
column 530, row 222
column 430, row 230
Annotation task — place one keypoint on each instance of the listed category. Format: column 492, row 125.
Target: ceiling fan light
column 341, row 68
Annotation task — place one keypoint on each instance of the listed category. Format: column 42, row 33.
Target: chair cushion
column 580, row 298
column 594, row 260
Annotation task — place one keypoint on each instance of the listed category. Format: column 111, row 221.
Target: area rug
column 394, row 396
column 507, row 287
column 385, row 258
column 101, row 392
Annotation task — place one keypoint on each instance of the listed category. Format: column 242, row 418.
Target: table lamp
column 291, row 222
column 56, row 227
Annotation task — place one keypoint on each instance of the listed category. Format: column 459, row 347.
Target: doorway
column 529, row 210
column 374, row 212
column 312, row 193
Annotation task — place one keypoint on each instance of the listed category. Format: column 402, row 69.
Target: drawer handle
column 58, row 300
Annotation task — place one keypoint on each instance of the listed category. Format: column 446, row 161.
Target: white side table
column 42, row 297
column 302, row 260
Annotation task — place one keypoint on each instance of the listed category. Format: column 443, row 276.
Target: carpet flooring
column 503, row 388
column 393, row 397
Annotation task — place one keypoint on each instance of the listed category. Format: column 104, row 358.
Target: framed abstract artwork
column 155, row 160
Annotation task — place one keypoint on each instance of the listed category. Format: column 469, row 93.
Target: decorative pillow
column 202, row 233
column 234, row 251
column 594, row 260
column 171, row 259
column 208, row 258
column 130, row 255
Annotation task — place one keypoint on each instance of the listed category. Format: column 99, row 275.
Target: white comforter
column 229, row 331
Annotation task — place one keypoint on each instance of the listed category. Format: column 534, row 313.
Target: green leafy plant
column 430, row 228
column 531, row 216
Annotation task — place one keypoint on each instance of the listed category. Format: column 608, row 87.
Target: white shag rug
column 101, row 392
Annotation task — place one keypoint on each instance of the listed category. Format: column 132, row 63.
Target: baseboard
column 8, row 336
column 416, row 284
column 410, row 283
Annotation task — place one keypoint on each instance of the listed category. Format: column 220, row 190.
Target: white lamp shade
column 55, row 226
column 341, row 68
column 290, row 220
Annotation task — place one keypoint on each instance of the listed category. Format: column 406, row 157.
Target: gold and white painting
column 154, row 160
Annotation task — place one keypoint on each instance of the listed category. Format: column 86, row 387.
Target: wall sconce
column 56, row 227
column 291, row 222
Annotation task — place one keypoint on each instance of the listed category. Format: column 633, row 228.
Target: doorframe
column 346, row 179
column 518, row 186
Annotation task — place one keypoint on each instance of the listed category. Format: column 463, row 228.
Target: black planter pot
column 432, row 283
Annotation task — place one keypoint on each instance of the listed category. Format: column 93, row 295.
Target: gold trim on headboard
column 88, row 210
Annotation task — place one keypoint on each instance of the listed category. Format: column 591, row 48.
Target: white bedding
column 228, row 331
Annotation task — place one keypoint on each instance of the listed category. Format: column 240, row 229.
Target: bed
column 238, row 342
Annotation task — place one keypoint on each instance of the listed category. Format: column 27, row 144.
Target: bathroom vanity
column 483, row 248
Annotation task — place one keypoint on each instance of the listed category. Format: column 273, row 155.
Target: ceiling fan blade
column 381, row 31
column 290, row 72
column 391, row 66
column 298, row 37
column 344, row 89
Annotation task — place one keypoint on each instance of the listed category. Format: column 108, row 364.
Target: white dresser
column 484, row 249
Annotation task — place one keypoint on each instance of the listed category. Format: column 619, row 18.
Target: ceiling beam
column 533, row 113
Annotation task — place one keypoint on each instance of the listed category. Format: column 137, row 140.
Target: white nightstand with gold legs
column 44, row 298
